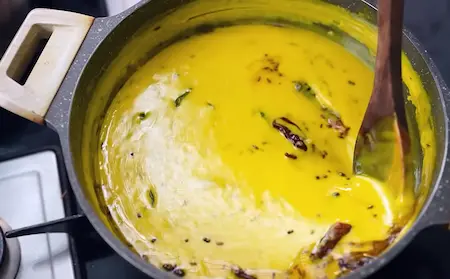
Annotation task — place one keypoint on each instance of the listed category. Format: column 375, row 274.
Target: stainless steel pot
column 83, row 53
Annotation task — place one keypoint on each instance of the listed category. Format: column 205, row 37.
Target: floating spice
column 295, row 139
column 290, row 231
column 240, row 273
column 335, row 122
column 290, row 156
column 207, row 240
column 219, row 243
column 141, row 116
column 304, row 88
column 152, row 198
column 182, row 97
column 351, row 82
column 179, row 272
column 168, row 267
column 355, row 260
column 262, row 114
column 334, row 234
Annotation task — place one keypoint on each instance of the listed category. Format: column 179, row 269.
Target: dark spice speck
column 219, row 243
column 240, row 273
column 370, row 206
column 152, row 198
column 168, row 267
column 153, row 240
column 290, row 232
column 207, row 240
column 179, row 272
column 139, row 215
column 141, row 115
column 336, row 194
column 290, row 156
column 351, row 82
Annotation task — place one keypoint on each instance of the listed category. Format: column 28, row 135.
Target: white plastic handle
column 65, row 32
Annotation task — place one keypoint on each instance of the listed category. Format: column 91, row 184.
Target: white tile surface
column 30, row 193
column 117, row 6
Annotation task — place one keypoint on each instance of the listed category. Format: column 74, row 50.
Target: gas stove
column 34, row 188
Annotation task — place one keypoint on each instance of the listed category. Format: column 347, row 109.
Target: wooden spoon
column 383, row 133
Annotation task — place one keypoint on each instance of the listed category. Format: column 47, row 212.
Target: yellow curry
column 228, row 154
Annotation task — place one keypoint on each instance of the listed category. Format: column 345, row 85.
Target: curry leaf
column 182, row 97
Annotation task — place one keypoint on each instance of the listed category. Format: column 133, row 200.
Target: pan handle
column 29, row 78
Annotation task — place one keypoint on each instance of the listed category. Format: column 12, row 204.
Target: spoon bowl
column 383, row 139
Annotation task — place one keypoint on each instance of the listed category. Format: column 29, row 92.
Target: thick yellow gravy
column 196, row 174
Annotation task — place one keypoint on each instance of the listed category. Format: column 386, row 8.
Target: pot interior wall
column 159, row 23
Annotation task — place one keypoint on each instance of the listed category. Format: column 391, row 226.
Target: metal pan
column 81, row 51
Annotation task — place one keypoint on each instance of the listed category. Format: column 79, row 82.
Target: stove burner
column 9, row 253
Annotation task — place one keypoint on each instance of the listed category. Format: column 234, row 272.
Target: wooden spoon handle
column 388, row 71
